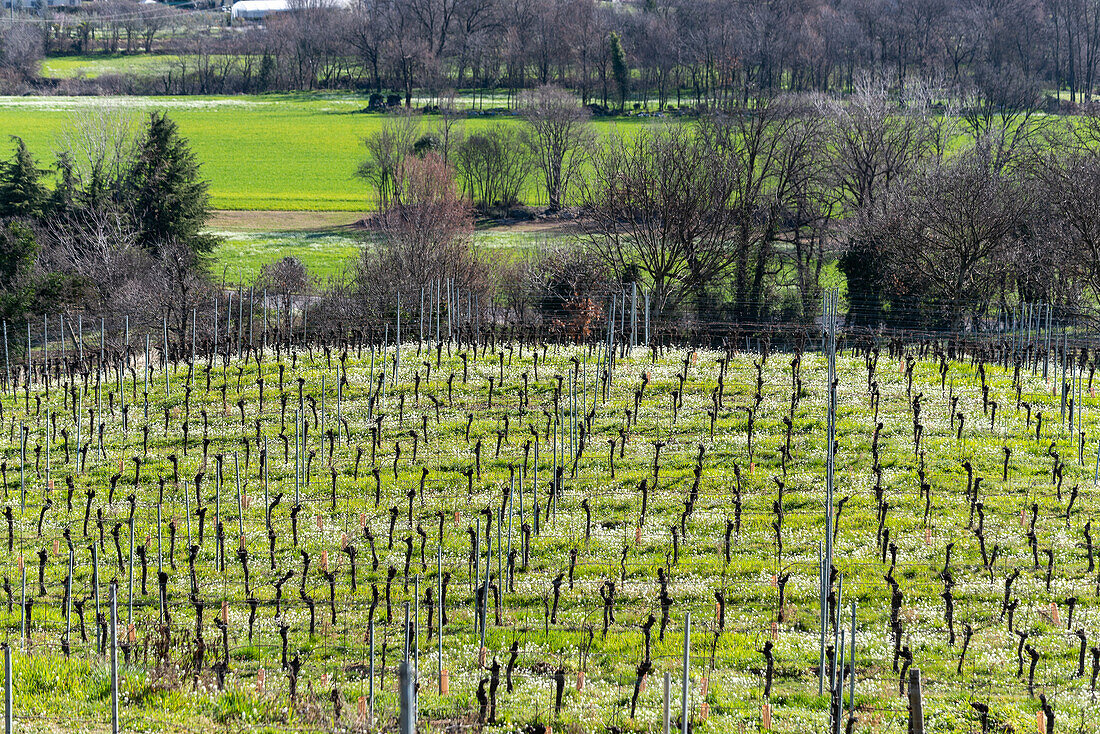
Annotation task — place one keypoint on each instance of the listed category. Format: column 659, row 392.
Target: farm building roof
column 254, row 9
column 258, row 9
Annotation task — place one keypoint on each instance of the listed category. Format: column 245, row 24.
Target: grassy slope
column 734, row 683
column 263, row 152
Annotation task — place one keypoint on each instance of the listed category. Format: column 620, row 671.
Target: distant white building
column 260, row 9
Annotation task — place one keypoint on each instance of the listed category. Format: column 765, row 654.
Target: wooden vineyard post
column 7, row 359
column 114, row 658
column 8, row 723
column 443, row 675
column 634, row 314
column 68, row 605
column 667, row 703
column 164, row 361
column 916, row 703
column 687, row 671
column 130, row 584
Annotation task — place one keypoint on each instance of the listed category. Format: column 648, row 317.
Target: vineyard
column 544, row 530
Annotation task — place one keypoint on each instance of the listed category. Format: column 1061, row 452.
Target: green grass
column 328, row 253
column 91, row 66
column 242, row 254
column 262, row 152
column 611, row 548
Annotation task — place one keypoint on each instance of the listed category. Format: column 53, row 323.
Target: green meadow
column 96, row 65
column 282, row 152
column 325, row 253
column 329, row 253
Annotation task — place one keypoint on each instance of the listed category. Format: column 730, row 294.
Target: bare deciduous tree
column 568, row 286
column 365, row 34
column 493, row 165
column 283, row 279
column 97, row 247
column 947, row 236
column 179, row 281
column 424, row 236
column 560, row 139
column 154, row 18
column 1065, row 175
column 999, row 111
column 386, row 151
column 874, row 142
column 775, row 149
column 98, row 146
column 659, row 206
column 20, row 51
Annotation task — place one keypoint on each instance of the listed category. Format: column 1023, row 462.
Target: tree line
column 115, row 225
column 934, row 216
column 931, row 217
column 697, row 54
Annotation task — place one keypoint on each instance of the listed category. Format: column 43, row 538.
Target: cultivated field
column 96, row 65
column 319, row 488
column 279, row 152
